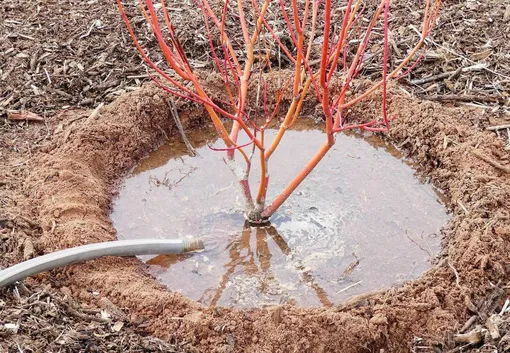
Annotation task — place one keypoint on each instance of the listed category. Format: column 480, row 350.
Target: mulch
column 61, row 54
column 57, row 55
column 34, row 319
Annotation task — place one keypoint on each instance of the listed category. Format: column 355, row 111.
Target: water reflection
column 255, row 262
column 359, row 222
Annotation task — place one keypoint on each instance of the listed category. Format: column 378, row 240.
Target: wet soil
column 339, row 235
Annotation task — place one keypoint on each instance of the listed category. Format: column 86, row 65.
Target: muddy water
column 361, row 221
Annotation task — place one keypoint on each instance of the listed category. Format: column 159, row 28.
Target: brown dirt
column 59, row 177
column 72, row 180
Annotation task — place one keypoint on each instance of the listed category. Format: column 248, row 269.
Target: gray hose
column 92, row 251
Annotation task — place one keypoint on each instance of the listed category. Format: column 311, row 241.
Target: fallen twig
column 94, row 113
column 447, row 74
column 472, row 337
column 348, row 287
column 491, row 161
column 460, row 348
column 498, row 127
column 175, row 115
column 468, row 324
column 72, row 311
column 466, row 98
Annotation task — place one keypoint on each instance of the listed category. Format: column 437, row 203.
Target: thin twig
column 94, row 113
column 491, row 161
column 459, row 349
column 348, row 287
column 175, row 115
column 468, row 324
column 434, row 78
column 498, row 127
column 466, row 98
column 449, row 74
column 457, row 278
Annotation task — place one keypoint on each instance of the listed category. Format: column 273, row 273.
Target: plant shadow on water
column 361, row 221
column 255, row 264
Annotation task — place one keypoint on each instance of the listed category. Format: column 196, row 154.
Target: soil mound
column 72, row 183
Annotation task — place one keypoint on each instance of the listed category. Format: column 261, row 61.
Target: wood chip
column 472, row 337
column 506, row 15
column 28, row 250
column 94, row 114
column 482, row 55
column 493, row 326
column 20, row 115
column 118, row 326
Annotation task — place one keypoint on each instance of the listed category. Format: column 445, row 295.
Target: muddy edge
column 73, row 181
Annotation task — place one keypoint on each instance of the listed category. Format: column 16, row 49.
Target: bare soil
column 58, row 178
column 71, row 181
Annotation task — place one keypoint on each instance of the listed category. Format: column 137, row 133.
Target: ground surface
column 58, row 177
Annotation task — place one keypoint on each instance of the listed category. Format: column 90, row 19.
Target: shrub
column 343, row 44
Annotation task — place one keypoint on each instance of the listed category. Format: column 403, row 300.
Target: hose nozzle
column 193, row 245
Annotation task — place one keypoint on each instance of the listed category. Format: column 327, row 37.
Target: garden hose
column 93, row 251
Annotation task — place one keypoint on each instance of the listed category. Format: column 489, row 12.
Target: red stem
column 411, row 67
column 231, row 148
column 385, row 64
